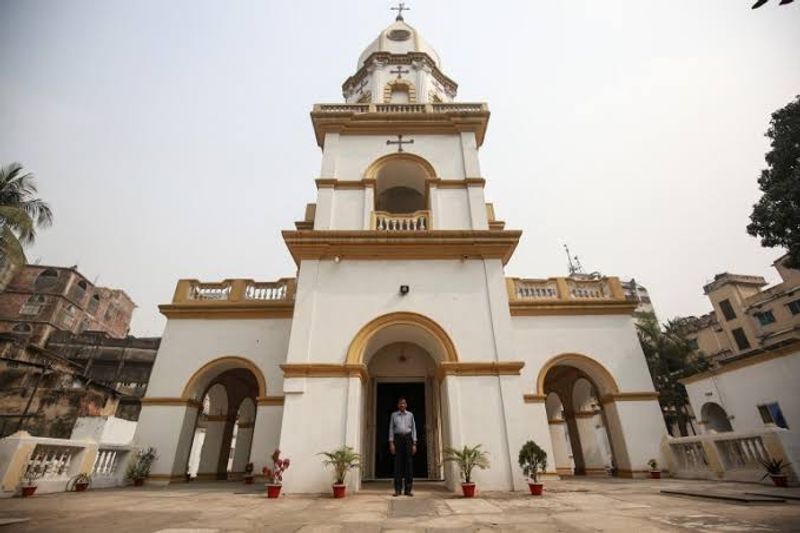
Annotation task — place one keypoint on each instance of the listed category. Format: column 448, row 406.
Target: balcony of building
column 555, row 296
column 239, row 298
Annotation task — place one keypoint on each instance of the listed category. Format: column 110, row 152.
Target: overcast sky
column 172, row 139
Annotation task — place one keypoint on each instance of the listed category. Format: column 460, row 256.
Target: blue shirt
column 402, row 424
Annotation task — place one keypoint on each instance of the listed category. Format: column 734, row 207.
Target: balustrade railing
column 442, row 107
column 744, row 452
column 234, row 290
column 690, row 456
column 210, row 291
column 417, row 221
column 52, row 462
column 266, row 290
column 107, row 463
column 565, row 289
column 536, row 289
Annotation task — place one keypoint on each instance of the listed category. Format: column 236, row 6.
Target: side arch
column 358, row 346
column 206, row 373
column 373, row 170
column 404, row 85
column 599, row 374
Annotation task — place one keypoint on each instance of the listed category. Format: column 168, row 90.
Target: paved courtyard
column 571, row 505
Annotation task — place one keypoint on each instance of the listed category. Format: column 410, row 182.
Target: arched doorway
column 715, row 418
column 402, row 353
column 222, row 435
column 574, row 385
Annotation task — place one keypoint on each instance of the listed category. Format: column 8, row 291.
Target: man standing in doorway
column 403, row 445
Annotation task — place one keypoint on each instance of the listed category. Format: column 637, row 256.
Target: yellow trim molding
column 534, row 398
column 356, row 350
column 766, row 355
column 556, row 421
column 270, row 400
column 571, row 308
column 171, row 401
column 644, row 396
column 399, row 82
column 323, row 370
column 379, row 245
column 372, row 171
column 490, row 368
column 224, row 312
column 218, row 366
column 585, row 414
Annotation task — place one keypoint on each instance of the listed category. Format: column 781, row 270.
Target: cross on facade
column 399, row 71
column 400, row 7
column 361, row 86
column 400, row 142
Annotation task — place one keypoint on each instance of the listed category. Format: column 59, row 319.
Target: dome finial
column 400, row 7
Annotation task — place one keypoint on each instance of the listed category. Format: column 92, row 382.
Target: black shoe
column 409, row 493
column 396, row 493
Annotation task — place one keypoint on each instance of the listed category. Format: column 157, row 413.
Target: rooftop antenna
column 400, row 7
column 573, row 263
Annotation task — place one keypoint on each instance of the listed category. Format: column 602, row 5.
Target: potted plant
column 275, row 474
column 467, row 460
column 774, row 469
column 655, row 473
column 248, row 474
column 343, row 460
column 34, row 472
column 81, row 482
column 533, row 460
column 139, row 468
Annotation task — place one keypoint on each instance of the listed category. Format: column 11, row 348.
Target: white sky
column 172, row 139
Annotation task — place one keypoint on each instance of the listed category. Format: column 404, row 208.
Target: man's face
column 402, row 405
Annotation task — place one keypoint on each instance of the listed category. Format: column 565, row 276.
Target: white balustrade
column 690, row 456
column 588, row 290
column 266, row 291
column 535, row 289
column 442, row 107
column 210, row 291
column 400, row 108
column 418, row 221
column 745, row 452
column 52, row 461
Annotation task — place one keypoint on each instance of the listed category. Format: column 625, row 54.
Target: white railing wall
column 60, row 460
column 733, row 456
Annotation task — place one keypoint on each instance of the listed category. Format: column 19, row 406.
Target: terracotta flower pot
column 655, row 474
column 339, row 490
column 248, row 480
column 273, row 490
column 468, row 489
column 80, row 487
column 536, row 488
column 28, row 491
column 780, row 481
column 138, row 481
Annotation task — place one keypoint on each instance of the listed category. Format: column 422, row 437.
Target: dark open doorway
column 385, row 404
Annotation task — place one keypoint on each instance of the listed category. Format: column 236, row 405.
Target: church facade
column 400, row 291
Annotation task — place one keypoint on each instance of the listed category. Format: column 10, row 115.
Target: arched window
column 68, row 316
column 401, row 186
column 399, row 92
column 716, row 418
column 23, row 329
column 47, row 279
column 94, row 302
column 34, row 305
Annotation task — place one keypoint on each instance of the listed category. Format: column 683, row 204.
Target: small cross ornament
column 360, row 88
column 400, row 142
column 399, row 71
column 400, row 7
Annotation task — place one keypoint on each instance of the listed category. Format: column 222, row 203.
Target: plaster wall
column 741, row 391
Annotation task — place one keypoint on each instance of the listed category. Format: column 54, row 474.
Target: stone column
column 635, row 429
column 210, row 457
column 594, row 463
column 169, row 428
column 561, row 459
column 241, row 453
column 266, row 432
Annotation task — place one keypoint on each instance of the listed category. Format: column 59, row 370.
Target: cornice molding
column 489, row 368
column 382, row 245
column 574, row 307
column 171, row 402
column 226, row 310
column 323, row 370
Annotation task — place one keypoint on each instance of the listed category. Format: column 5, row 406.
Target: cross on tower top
column 400, row 7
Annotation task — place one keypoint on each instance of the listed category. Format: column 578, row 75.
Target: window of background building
column 47, row 279
column 23, row 329
column 765, row 317
column 34, row 305
column 727, row 310
column 794, row 307
column 771, row 414
column 741, row 339
column 94, row 302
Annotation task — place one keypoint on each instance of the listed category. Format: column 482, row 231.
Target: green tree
column 670, row 357
column 21, row 212
column 776, row 216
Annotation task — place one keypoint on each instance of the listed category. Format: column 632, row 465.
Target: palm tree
column 21, row 212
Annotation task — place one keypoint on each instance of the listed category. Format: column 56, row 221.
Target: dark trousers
column 403, row 463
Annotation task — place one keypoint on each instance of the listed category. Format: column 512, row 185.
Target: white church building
column 400, row 290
